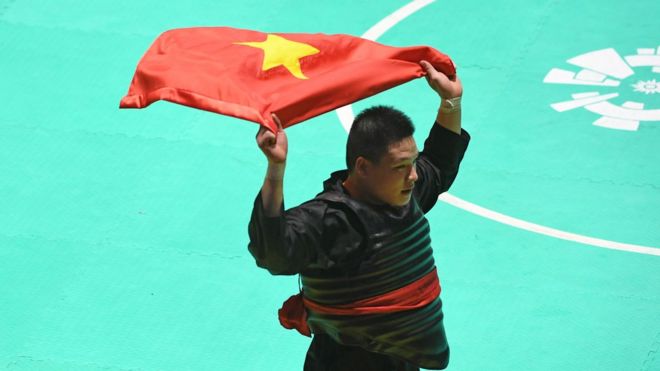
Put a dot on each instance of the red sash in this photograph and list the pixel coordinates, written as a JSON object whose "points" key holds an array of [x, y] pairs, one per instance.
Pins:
{"points": [[293, 314]]}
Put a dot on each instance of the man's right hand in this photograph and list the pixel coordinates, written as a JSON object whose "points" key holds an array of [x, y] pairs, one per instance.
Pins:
{"points": [[273, 145]]}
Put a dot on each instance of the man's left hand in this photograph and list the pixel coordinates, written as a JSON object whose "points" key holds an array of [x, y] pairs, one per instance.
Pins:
{"points": [[446, 86]]}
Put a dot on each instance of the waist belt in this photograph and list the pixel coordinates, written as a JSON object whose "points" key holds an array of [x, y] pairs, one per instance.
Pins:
{"points": [[293, 314]]}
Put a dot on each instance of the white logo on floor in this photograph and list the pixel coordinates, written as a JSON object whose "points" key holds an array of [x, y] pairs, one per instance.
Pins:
{"points": [[605, 68]]}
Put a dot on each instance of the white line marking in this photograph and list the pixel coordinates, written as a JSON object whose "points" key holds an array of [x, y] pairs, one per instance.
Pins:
{"points": [[400, 14], [505, 219], [346, 117]]}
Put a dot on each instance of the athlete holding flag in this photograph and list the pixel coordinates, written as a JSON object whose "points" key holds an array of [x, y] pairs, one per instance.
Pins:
{"points": [[362, 247]]}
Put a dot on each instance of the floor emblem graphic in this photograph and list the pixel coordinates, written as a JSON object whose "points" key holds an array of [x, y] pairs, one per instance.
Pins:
{"points": [[605, 69]]}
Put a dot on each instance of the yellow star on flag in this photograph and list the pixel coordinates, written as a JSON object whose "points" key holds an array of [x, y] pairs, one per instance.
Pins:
{"points": [[279, 51]]}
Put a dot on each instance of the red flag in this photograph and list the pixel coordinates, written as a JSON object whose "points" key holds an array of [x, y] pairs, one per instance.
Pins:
{"points": [[249, 74]]}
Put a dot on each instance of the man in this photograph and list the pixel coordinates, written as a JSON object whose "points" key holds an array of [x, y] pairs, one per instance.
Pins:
{"points": [[362, 246]]}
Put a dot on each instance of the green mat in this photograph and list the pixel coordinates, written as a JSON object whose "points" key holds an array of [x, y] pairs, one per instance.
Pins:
{"points": [[123, 233]]}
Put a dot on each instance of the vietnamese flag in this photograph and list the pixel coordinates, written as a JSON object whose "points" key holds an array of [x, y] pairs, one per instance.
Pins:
{"points": [[250, 74]]}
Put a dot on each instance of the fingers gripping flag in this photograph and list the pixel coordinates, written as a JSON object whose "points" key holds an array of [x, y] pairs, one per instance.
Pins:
{"points": [[249, 74]]}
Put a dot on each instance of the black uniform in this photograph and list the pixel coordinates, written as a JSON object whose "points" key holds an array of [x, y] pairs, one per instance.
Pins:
{"points": [[346, 250]]}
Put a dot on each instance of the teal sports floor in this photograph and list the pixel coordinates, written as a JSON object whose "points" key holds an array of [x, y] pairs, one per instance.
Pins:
{"points": [[123, 233]]}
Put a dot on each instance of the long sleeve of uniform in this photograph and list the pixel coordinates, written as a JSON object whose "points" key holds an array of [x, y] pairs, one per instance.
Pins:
{"points": [[309, 236], [437, 164]]}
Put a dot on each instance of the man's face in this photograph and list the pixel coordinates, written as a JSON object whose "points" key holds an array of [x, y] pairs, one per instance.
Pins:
{"points": [[392, 179]]}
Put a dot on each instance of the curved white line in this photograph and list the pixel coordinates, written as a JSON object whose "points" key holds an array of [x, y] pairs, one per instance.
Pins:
{"points": [[346, 117], [505, 219], [391, 20]]}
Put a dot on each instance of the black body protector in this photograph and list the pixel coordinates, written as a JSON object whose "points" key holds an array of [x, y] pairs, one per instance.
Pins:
{"points": [[396, 252]]}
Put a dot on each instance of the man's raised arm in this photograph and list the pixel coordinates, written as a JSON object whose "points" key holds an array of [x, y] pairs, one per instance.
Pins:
{"points": [[275, 147], [450, 90], [437, 165], [287, 242]]}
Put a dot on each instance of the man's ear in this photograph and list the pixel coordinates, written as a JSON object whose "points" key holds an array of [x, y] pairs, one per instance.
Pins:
{"points": [[362, 166]]}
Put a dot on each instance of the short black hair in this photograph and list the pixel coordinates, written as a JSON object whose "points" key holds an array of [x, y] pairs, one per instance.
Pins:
{"points": [[373, 131]]}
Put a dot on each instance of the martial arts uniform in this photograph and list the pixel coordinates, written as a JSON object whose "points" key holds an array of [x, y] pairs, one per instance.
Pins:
{"points": [[347, 251]]}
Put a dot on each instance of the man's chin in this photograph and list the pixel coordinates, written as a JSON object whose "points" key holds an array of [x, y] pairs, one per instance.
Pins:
{"points": [[403, 201]]}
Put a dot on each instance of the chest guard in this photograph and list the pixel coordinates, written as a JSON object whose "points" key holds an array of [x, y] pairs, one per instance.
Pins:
{"points": [[396, 251]]}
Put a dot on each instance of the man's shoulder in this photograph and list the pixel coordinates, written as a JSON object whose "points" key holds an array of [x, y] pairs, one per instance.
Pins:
{"points": [[332, 200], [327, 212], [333, 190]]}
